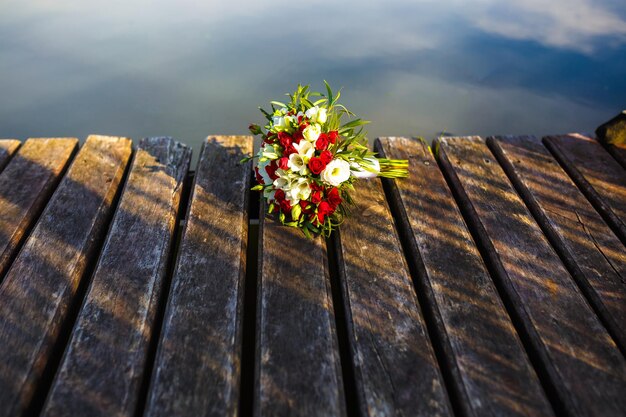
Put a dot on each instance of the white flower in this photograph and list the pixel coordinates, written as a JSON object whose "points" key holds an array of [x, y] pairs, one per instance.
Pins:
{"points": [[312, 132], [316, 115], [297, 164], [305, 149], [359, 171], [312, 112], [300, 190], [279, 122], [336, 172], [321, 116]]}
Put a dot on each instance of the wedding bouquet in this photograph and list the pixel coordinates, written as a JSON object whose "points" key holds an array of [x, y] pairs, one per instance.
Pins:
{"points": [[309, 161]]}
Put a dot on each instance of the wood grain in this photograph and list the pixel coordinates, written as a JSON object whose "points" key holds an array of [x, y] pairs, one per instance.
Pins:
{"points": [[197, 367], [7, 148], [592, 253], [298, 370], [581, 363], [41, 284], [600, 177], [395, 368], [25, 187], [474, 328], [103, 365]]}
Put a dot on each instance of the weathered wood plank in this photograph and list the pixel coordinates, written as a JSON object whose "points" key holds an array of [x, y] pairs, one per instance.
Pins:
{"points": [[103, 366], [593, 254], [618, 152], [40, 285], [600, 177], [582, 364], [25, 187], [396, 372], [297, 360], [7, 148], [197, 366], [476, 333]]}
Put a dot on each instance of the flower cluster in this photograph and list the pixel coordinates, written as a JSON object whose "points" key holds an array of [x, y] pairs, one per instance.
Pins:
{"points": [[308, 161]]}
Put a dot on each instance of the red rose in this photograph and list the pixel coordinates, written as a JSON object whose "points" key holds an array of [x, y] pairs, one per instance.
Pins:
{"points": [[322, 142], [315, 187], [306, 206], [285, 206], [334, 199], [279, 195], [284, 139], [283, 163], [332, 136], [297, 136], [326, 156], [316, 197], [271, 170], [288, 151], [324, 209], [316, 165]]}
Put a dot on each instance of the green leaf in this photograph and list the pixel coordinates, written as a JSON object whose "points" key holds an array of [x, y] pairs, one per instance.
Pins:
{"points": [[329, 91]]}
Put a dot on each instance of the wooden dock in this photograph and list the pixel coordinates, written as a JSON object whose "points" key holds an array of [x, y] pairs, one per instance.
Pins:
{"points": [[491, 282]]}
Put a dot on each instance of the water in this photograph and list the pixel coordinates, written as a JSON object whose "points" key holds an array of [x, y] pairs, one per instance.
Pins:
{"points": [[193, 68]]}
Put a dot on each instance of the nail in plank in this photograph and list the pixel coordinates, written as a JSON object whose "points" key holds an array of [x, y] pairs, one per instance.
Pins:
{"points": [[41, 284], [25, 187], [197, 366], [475, 330], [103, 366], [573, 349]]}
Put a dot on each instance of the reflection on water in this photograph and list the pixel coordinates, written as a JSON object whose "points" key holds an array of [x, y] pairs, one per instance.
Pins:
{"points": [[189, 68]]}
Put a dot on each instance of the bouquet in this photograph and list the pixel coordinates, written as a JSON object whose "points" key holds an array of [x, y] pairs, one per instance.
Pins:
{"points": [[309, 161]]}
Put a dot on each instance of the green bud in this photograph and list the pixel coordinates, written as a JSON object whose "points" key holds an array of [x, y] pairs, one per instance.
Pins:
{"points": [[296, 211]]}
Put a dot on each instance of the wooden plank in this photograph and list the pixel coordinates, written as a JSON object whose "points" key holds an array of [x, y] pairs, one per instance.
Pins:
{"points": [[396, 372], [297, 360], [578, 359], [197, 366], [7, 148], [41, 284], [476, 333], [600, 177], [592, 253], [25, 187], [618, 151], [103, 366]]}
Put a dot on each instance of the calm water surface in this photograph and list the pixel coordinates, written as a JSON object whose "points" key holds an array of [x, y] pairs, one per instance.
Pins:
{"points": [[191, 68]]}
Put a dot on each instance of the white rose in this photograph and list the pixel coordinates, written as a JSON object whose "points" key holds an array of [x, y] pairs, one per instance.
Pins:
{"points": [[336, 172], [312, 132], [359, 171]]}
